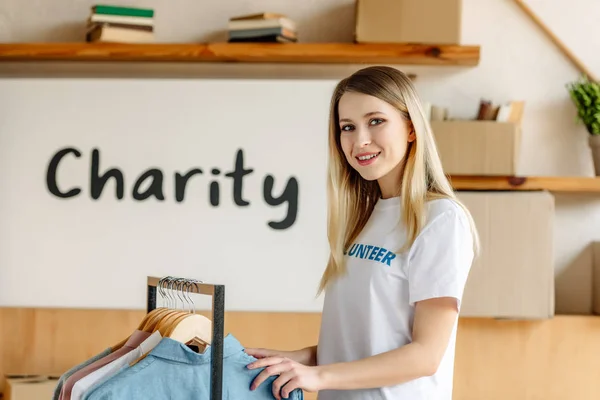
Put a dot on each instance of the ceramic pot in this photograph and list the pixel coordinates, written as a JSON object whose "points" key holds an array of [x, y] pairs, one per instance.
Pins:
{"points": [[594, 141]]}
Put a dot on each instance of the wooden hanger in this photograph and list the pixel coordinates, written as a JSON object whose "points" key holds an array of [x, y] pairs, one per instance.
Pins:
{"points": [[161, 321], [194, 329], [149, 321], [167, 319], [184, 327], [151, 316], [149, 324], [187, 327]]}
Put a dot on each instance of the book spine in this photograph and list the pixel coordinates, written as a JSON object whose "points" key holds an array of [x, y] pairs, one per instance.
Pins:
{"points": [[263, 39], [258, 24], [126, 11], [145, 28], [121, 19], [261, 32]]}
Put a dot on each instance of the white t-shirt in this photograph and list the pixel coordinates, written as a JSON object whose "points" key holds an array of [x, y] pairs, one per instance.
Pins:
{"points": [[370, 309]]}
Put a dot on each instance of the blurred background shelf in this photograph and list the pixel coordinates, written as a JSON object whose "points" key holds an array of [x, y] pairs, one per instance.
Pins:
{"points": [[304, 53], [554, 184]]}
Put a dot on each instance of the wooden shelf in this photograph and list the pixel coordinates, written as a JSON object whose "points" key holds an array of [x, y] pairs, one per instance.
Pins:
{"points": [[311, 53], [553, 184]]}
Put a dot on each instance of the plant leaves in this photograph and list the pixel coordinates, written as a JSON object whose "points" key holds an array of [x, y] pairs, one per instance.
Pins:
{"points": [[585, 95]]}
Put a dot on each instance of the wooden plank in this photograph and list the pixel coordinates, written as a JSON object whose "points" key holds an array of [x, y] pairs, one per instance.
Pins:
{"points": [[553, 359], [311, 53], [550, 183], [559, 43]]}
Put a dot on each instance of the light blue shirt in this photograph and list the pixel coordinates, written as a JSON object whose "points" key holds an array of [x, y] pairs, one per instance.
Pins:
{"points": [[174, 371]]}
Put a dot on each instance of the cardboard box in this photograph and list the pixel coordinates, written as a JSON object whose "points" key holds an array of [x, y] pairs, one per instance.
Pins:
{"points": [[596, 275], [574, 279], [513, 277], [435, 22], [478, 147], [29, 387]]}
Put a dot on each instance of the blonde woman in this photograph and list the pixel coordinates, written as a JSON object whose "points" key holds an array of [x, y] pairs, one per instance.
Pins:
{"points": [[401, 246]]}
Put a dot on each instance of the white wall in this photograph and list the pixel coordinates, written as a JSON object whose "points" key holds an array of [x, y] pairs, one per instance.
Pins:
{"points": [[95, 249], [518, 62]]}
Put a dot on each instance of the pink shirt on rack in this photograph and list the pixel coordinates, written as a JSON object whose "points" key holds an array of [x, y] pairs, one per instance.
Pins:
{"points": [[134, 341]]}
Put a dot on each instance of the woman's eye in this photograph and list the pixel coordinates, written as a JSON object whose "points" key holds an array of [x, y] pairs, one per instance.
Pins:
{"points": [[347, 128], [376, 121]]}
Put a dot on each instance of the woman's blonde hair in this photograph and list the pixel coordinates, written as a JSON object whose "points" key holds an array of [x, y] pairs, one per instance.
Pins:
{"points": [[351, 198]]}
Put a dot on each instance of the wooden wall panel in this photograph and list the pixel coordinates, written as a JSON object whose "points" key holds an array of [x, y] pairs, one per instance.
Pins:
{"points": [[554, 359], [50, 341]]}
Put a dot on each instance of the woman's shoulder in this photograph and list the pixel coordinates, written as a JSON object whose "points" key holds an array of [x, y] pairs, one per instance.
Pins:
{"points": [[447, 222], [444, 211], [445, 205]]}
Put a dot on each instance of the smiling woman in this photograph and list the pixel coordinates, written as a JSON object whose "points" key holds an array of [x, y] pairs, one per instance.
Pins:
{"points": [[401, 247]]}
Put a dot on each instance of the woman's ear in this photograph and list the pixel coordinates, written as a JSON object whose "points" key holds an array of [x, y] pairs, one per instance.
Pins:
{"points": [[411, 131]]}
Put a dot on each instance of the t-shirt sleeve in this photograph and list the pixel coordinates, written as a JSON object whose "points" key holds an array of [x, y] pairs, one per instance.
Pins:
{"points": [[440, 258]]}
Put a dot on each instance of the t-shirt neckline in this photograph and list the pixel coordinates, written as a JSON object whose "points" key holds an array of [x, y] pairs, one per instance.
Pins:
{"points": [[391, 202]]}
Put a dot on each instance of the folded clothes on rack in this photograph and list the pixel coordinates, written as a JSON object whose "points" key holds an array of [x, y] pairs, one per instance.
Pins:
{"points": [[170, 356]]}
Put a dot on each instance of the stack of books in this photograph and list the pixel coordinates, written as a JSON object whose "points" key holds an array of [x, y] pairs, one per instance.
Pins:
{"points": [[262, 27], [118, 24]]}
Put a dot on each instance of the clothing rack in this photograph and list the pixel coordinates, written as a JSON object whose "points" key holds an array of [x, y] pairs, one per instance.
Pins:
{"points": [[217, 292]]}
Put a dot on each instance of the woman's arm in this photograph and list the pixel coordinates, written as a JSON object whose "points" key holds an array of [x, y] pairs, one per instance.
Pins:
{"points": [[433, 325], [307, 355]]}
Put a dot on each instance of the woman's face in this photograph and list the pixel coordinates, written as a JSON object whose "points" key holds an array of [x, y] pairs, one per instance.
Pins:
{"points": [[374, 138]]}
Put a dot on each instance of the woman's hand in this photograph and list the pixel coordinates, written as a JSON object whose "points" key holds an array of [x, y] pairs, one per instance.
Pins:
{"points": [[292, 375], [306, 356], [263, 353]]}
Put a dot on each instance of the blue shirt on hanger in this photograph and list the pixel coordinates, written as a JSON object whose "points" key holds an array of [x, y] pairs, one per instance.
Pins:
{"points": [[174, 371]]}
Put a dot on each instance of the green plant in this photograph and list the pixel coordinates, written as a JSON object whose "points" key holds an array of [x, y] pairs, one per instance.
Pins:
{"points": [[586, 96]]}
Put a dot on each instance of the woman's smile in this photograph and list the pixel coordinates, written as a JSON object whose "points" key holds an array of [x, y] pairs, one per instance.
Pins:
{"points": [[367, 158]]}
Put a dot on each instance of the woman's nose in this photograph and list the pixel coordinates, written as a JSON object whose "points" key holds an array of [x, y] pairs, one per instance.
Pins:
{"points": [[363, 137]]}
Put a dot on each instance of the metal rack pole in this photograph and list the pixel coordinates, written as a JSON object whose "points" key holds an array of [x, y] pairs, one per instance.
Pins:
{"points": [[217, 292]]}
